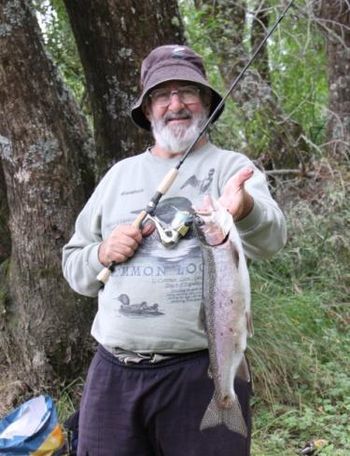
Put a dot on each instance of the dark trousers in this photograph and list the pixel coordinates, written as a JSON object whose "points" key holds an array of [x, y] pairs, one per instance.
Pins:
{"points": [[154, 409]]}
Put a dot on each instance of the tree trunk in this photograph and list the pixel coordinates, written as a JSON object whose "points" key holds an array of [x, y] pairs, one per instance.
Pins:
{"points": [[113, 37], [334, 21], [46, 162], [281, 137]]}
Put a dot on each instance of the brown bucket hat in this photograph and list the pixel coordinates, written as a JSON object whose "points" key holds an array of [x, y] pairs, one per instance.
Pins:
{"points": [[171, 63]]}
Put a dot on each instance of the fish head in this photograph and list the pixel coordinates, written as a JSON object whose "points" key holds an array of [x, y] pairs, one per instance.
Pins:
{"points": [[212, 222]]}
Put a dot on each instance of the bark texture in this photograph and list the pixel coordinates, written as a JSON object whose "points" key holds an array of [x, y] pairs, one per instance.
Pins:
{"points": [[45, 154], [113, 37], [333, 17], [254, 95]]}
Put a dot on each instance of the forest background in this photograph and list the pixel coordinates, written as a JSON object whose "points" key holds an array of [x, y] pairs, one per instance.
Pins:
{"points": [[68, 75]]}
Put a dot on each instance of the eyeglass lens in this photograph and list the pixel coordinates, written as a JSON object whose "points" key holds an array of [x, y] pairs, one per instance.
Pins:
{"points": [[187, 94]]}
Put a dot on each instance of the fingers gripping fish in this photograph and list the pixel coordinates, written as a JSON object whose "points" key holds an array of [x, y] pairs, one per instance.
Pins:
{"points": [[225, 313]]}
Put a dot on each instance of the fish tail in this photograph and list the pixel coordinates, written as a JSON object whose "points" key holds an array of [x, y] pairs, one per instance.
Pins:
{"points": [[231, 417]]}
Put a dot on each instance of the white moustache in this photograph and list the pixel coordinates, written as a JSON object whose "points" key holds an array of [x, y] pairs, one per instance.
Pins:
{"points": [[178, 115]]}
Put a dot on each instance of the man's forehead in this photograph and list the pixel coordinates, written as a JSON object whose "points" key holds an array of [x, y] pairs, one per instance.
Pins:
{"points": [[174, 84]]}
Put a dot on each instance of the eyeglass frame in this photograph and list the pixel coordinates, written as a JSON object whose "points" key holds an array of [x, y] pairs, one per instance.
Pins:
{"points": [[177, 92]]}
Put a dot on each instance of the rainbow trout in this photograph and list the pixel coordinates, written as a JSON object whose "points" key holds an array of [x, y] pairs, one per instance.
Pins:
{"points": [[225, 313]]}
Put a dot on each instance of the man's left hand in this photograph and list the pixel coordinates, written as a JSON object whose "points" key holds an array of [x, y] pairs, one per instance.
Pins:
{"points": [[235, 198]]}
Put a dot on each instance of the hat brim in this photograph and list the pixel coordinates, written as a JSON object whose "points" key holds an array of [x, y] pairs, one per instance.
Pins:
{"points": [[173, 72]]}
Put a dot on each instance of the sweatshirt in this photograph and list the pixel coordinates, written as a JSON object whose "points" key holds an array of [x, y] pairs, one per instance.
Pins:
{"points": [[151, 303]]}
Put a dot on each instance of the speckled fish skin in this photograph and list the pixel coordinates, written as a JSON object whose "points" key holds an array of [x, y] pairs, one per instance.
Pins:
{"points": [[227, 320]]}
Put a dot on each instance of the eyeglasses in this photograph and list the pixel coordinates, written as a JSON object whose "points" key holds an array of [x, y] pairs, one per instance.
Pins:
{"points": [[187, 94]]}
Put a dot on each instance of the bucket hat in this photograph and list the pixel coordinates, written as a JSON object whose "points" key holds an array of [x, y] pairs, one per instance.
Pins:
{"points": [[171, 63]]}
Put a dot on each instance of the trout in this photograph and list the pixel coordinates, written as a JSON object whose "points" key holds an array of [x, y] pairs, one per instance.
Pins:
{"points": [[225, 313]]}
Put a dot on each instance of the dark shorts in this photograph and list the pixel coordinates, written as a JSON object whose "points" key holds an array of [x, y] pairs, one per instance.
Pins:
{"points": [[154, 409]]}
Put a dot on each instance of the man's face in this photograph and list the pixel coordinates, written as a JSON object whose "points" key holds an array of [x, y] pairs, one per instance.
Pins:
{"points": [[177, 112]]}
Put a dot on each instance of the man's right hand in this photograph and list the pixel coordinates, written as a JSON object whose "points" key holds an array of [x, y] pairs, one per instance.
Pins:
{"points": [[122, 243]]}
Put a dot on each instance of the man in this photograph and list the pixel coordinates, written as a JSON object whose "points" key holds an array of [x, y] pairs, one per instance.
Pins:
{"points": [[148, 386]]}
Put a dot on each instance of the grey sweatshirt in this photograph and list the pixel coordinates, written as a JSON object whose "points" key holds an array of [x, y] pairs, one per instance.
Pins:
{"points": [[151, 302]]}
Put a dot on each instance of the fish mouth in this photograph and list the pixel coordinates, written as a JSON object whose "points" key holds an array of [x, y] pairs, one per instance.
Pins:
{"points": [[209, 233]]}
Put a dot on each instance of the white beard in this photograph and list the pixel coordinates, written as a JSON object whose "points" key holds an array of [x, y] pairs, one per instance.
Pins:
{"points": [[177, 138]]}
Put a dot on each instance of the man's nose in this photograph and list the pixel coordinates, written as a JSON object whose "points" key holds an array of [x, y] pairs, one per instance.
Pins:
{"points": [[175, 103]]}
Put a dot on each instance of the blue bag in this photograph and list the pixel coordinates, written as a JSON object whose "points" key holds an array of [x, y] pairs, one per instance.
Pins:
{"points": [[32, 429]]}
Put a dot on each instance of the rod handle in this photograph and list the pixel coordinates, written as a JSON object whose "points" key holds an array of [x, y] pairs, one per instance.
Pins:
{"points": [[167, 181], [139, 219], [104, 275]]}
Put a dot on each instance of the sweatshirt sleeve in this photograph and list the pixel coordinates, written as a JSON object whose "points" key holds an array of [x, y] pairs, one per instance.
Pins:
{"points": [[80, 256], [263, 231]]}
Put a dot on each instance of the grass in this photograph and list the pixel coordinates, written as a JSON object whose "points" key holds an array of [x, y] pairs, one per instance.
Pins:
{"points": [[301, 347], [68, 399]]}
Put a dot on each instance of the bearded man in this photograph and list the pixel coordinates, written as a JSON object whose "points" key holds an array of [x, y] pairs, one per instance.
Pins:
{"points": [[148, 385]]}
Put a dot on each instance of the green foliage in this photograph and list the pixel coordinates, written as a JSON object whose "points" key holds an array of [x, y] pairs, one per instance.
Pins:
{"points": [[223, 133], [298, 68], [287, 429], [61, 45], [301, 347], [297, 65]]}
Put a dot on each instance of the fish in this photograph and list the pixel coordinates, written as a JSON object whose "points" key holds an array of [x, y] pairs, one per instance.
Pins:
{"points": [[225, 313]]}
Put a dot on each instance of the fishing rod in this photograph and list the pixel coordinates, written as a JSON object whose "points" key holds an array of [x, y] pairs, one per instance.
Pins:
{"points": [[170, 177]]}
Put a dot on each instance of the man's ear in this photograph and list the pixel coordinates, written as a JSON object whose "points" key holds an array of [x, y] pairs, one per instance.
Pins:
{"points": [[147, 111]]}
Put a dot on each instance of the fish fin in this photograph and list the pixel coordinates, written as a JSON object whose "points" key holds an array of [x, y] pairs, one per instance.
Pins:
{"points": [[231, 417], [222, 216], [250, 327], [243, 370]]}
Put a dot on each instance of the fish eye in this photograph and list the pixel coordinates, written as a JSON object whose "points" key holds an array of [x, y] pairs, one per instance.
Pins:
{"points": [[198, 220]]}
